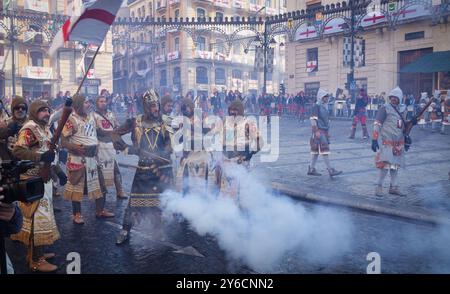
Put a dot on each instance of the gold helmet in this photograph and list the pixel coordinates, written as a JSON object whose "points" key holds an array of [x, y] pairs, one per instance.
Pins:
{"points": [[150, 97]]}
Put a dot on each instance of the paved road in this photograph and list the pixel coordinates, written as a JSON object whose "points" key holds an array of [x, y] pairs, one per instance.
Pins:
{"points": [[404, 247]]}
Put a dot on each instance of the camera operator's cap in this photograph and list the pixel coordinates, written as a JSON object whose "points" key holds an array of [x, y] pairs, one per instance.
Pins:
{"points": [[396, 92], [423, 95], [17, 100], [321, 93]]}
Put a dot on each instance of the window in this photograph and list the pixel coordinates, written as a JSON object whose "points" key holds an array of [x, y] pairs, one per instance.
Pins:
{"points": [[268, 3], [177, 76], [163, 78], [236, 74], [254, 76], [237, 48], [201, 12], [87, 61], [313, 5], [132, 14], [150, 8], [311, 90], [177, 44], [37, 58], [219, 46], [201, 43], [312, 59], [142, 65], [139, 12], [177, 13], [141, 37], [219, 16], [38, 39], [414, 36], [220, 76], [253, 1], [163, 48], [201, 75], [143, 11]]}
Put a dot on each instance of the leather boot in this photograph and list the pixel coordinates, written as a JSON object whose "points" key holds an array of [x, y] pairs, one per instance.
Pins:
{"points": [[121, 195], [43, 266], [365, 133], [334, 172], [379, 191], [104, 214], [123, 236], [394, 190], [78, 219], [313, 172], [352, 134]]}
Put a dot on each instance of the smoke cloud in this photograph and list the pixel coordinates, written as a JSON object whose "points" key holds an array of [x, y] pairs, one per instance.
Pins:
{"points": [[261, 228]]}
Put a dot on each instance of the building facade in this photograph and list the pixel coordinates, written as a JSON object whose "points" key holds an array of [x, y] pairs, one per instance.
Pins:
{"points": [[36, 73], [172, 62], [381, 49]]}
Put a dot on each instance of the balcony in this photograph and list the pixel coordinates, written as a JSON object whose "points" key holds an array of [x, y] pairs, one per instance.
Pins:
{"points": [[37, 72], [174, 2], [239, 4], [173, 55], [160, 59], [162, 4], [200, 54]]}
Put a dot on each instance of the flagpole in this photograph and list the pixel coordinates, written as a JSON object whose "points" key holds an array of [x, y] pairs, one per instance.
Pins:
{"points": [[87, 71]]}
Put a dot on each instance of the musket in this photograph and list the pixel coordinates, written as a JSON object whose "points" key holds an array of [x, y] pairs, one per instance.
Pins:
{"points": [[67, 110], [409, 125]]}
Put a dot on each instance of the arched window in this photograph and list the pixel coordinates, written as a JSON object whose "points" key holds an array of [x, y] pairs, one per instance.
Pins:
{"points": [[139, 13], [163, 48], [219, 15], [220, 48], [177, 44], [38, 39], [142, 65], [177, 76], [202, 75], [37, 58], [177, 13], [143, 11], [163, 78], [237, 48], [201, 12], [132, 14], [150, 8], [201, 43], [236, 74], [220, 76]]}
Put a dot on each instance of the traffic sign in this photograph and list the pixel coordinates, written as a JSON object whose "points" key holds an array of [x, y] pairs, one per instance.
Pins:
{"points": [[392, 6]]}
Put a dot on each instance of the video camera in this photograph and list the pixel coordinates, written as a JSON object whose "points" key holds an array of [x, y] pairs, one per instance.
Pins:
{"points": [[15, 189]]}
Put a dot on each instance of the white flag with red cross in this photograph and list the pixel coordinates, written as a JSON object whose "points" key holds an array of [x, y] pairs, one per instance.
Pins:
{"points": [[90, 26]]}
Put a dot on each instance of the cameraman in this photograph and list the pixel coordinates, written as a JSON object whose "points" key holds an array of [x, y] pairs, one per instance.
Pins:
{"points": [[11, 127], [10, 223]]}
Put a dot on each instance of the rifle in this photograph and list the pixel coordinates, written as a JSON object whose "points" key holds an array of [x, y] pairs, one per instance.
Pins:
{"points": [[2, 107], [410, 124], [67, 110], [154, 156]]}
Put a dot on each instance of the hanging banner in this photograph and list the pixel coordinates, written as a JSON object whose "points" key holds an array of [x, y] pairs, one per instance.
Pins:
{"points": [[37, 5], [37, 72]]}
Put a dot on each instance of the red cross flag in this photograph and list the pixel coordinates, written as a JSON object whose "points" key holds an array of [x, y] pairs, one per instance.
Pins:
{"points": [[90, 26]]}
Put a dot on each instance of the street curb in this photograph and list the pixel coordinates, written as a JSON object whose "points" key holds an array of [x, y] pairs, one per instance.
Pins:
{"points": [[367, 207]]}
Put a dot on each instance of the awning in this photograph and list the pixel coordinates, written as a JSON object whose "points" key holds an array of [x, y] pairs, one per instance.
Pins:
{"points": [[433, 62]]}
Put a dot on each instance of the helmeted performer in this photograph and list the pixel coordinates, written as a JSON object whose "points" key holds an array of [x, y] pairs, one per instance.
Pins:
{"points": [[422, 120], [79, 137], [388, 129], [196, 173], [39, 227], [106, 122], [9, 133], [320, 138], [241, 141], [360, 115], [152, 143]]}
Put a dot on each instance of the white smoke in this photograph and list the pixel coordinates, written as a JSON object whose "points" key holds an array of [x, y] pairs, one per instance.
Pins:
{"points": [[263, 228]]}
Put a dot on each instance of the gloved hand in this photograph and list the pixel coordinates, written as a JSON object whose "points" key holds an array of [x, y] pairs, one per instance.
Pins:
{"points": [[13, 128], [375, 145], [48, 156], [62, 178]]}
